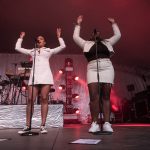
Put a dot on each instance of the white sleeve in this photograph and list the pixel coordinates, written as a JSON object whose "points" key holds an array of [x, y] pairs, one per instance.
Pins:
{"points": [[116, 36], [76, 37], [59, 48], [20, 49]]}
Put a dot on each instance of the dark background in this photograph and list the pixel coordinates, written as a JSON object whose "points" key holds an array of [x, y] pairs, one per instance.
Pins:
{"points": [[42, 17]]}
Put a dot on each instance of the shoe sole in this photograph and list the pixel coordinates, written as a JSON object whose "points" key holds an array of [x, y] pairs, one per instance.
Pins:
{"points": [[43, 132], [108, 131], [24, 132], [94, 132]]}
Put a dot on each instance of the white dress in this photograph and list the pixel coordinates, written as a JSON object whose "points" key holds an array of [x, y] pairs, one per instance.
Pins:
{"points": [[43, 74], [105, 67]]}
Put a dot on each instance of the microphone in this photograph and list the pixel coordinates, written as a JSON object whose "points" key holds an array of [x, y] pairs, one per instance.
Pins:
{"points": [[36, 40]]}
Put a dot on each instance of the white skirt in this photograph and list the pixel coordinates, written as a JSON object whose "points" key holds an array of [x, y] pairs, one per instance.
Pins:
{"points": [[105, 68], [43, 75]]}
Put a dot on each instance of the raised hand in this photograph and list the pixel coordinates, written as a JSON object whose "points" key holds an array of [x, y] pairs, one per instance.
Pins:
{"points": [[111, 20], [58, 32], [79, 19], [22, 34]]}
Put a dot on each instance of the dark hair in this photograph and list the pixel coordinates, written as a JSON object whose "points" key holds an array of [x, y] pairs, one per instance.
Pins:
{"points": [[43, 38], [95, 36]]}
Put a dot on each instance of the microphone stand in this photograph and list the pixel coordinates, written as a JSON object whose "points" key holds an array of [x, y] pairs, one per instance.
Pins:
{"points": [[30, 133], [15, 82], [101, 132]]}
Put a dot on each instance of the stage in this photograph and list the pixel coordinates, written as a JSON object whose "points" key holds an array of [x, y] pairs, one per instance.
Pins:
{"points": [[125, 137]]}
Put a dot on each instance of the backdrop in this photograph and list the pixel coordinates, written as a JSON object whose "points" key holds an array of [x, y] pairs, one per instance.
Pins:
{"points": [[124, 76]]}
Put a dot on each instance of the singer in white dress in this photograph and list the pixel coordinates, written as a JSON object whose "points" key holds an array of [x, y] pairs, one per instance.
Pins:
{"points": [[43, 78]]}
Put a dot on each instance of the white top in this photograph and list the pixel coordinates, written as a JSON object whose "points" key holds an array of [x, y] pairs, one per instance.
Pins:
{"points": [[43, 74], [86, 45]]}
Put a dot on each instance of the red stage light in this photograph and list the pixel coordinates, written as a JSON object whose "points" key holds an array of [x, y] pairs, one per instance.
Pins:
{"points": [[61, 71], [76, 78], [115, 108], [77, 111], [61, 87], [76, 96], [24, 88]]}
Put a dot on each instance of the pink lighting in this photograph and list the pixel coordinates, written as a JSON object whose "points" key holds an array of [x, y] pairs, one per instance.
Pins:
{"points": [[61, 87], [24, 88], [61, 71], [115, 108], [77, 112], [76, 78]]}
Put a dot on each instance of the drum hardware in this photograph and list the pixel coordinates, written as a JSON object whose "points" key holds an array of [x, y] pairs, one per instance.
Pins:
{"points": [[23, 74], [11, 89], [26, 64], [4, 92], [4, 82], [15, 83], [4, 89]]}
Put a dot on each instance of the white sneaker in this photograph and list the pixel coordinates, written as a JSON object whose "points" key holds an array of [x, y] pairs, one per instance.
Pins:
{"points": [[94, 127], [43, 130], [25, 130], [107, 127]]}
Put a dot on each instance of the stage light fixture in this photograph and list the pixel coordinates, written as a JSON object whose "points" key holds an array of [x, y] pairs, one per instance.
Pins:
{"points": [[77, 111], [76, 96], [61, 71], [69, 62], [76, 78], [62, 87], [24, 88]]}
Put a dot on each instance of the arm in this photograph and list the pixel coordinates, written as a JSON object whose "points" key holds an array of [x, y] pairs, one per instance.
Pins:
{"points": [[76, 35], [117, 34], [61, 42], [18, 45]]}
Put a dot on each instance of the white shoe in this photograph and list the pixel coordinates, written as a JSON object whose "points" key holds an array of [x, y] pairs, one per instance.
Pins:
{"points": [[107, 127], [94, 127], [43, 130], [25, 130]]}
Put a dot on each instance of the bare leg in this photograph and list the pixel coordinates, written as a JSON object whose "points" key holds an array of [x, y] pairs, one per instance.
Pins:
{"points": [[106, 90], [94, 101], [30, 99], [44, 103]]}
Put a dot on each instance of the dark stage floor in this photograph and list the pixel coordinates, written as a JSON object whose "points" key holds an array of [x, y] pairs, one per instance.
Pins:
{"points": [[125, 137]]}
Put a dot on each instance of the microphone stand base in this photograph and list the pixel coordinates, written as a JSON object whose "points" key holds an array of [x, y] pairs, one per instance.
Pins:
{"points": [[29, 134], [102, 133]]}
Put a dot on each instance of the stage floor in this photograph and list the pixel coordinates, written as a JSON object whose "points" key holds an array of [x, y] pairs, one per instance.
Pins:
{"points": [[125, 137]]}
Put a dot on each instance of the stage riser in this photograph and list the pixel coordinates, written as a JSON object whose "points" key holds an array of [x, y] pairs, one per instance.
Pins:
{"points": [[14, 116]]}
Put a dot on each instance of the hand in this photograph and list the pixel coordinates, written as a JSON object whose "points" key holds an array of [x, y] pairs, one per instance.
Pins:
{"points": [[111, 20], [22, 34], [58, 32], [79, 19]]}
